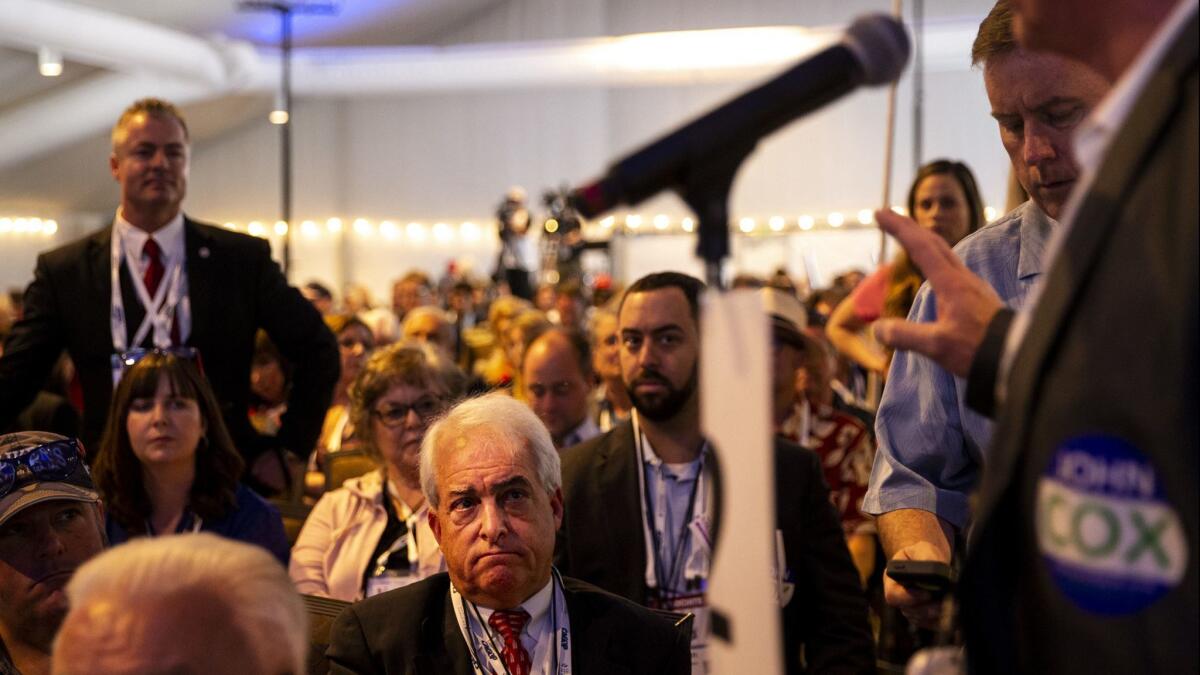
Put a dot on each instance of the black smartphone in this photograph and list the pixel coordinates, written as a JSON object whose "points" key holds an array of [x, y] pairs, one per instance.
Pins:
{"points": [[926, 575]]}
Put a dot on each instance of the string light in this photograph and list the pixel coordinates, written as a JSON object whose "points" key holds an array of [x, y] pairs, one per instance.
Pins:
{"points": [[990, 213], [416, 232], [471, 232]]}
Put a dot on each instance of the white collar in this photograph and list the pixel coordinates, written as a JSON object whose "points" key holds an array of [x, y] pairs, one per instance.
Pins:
{"points": [[169, 237], [585, 431], [537, 606]]}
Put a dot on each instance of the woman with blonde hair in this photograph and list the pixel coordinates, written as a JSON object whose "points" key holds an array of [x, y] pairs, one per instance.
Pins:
{"points": [[372, 534]]}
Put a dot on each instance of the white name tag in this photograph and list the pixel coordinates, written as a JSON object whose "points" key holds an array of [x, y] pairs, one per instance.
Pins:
{"points": [[383, 584]]}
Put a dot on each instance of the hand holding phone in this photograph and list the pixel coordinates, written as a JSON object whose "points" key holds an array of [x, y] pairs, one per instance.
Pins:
{"points": [[931, 576]]}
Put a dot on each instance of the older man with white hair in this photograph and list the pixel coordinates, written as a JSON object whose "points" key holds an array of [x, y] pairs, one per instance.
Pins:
{"points": [[493, 481], [188, 604]]}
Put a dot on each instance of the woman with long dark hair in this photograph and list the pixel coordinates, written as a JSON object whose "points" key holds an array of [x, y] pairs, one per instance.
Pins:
{"points": [[167, 464], [943, 198]]}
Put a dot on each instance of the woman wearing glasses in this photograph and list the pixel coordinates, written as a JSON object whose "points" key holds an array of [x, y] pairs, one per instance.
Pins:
{"points": [[371, 534], [167, 464]]}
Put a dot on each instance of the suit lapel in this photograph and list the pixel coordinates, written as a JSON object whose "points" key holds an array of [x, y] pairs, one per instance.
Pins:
{"points": [[200, 279], [1094, 222], [443, 648], [617, 476]]}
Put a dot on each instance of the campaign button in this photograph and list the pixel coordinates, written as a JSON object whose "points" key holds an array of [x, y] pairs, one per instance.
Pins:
{"points": [[1106, 530]]}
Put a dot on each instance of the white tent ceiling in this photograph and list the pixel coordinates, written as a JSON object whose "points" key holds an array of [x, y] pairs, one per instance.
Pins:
{"points": [[221, 64]]}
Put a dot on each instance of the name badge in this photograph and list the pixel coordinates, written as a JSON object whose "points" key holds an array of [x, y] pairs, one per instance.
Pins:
{"points": [[388, 582]]}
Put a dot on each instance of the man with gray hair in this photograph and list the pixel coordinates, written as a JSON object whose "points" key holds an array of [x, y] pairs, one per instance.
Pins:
{"points": [[51, 522], [493, 481], [192, 603]]}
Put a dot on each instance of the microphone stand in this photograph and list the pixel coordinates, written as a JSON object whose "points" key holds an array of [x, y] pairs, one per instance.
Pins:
{"points": [[705, 189]]}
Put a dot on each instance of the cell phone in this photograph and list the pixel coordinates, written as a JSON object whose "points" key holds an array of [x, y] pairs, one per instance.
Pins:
{"points": [[926, 575]]}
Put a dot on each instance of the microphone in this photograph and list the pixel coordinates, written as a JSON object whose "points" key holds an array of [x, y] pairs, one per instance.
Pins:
{"points": [[873, 51]]}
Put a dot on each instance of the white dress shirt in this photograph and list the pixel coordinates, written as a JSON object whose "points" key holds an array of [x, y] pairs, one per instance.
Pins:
{"points": [[170, 239]]}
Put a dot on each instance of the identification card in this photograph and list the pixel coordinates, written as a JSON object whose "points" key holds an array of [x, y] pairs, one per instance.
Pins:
{"points": [[389, 582]]}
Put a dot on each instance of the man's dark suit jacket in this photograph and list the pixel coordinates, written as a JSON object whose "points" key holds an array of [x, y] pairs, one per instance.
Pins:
{"points": [[1111, 351], [234, 288], [413, 631], [601, 542]]}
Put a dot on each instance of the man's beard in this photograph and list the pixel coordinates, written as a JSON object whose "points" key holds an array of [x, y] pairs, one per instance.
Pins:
{"points": [[662, 407]]}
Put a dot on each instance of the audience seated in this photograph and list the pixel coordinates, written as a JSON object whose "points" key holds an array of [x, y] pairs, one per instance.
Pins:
{"points": [[371, 534], [355, 343], [492, 480], [51, 522], [167, 465], [195, 604]]}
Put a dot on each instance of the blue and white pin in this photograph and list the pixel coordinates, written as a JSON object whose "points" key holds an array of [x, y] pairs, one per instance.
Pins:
{"points": [[1111, 539]]}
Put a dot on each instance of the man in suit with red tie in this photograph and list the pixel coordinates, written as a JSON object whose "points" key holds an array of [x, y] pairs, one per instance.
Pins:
{"points": [[492, 477], [1084, 554], [157, 279]]}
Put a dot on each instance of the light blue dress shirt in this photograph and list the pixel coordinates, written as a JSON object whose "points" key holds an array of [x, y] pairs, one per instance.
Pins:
{"points": [[931, 446]]}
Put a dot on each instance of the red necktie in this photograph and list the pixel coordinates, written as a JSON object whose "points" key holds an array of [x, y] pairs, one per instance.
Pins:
{"points": [[154, 266], [508, 623], [153, 277]]}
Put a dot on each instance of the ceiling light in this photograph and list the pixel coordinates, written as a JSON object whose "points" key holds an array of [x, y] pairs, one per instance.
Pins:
{"points": [[50, 62]]}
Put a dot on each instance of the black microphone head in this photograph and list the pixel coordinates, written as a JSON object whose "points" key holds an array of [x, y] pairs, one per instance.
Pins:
{"points": [[880, 44]]}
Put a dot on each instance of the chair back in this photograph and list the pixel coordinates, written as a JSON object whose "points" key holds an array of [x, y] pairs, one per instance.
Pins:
{"points": [[346, 464], [321, 613]]}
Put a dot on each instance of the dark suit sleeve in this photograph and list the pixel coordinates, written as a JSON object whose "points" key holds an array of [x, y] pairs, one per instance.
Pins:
{"points": [[348, 651], [829, 597], [295, 326], [985, 367], [32, 348]]}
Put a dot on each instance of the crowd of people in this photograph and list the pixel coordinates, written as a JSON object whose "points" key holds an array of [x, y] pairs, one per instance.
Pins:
{"points": [[501, 476]]}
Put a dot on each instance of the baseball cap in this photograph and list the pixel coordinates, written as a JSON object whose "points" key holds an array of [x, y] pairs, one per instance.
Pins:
{"points": [[36, 467], [788, 316]]}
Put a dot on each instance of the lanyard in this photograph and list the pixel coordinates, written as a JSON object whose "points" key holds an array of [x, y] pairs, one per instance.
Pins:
{"points": [[160, 310], [654, 524], [553, 651]]}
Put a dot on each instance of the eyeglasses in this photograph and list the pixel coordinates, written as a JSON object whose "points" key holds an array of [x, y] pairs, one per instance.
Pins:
{"points": [[57, 461], [395, 414]]}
